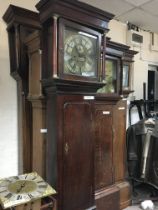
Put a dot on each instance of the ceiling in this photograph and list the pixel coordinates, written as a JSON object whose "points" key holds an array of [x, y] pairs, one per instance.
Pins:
{"points": [[142, 13]]}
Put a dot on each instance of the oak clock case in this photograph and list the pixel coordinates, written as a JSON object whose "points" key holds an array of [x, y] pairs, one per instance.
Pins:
{"points": [[17, 190], [79, 51]]}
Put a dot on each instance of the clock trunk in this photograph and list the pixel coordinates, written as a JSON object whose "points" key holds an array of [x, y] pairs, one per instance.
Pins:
{"points": [[70, 117]]}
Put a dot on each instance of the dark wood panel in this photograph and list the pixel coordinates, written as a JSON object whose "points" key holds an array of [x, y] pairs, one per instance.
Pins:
{"points": [[25, 116], [125, 194], [78, 156], [76, 11], [119, 139], [103, 145], [70, 155], [20, 23], [108, 199]]}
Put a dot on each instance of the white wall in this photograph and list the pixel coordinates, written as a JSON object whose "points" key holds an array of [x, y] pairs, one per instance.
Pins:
{"points": [[119, 33], [8, 96], [145, 57]]}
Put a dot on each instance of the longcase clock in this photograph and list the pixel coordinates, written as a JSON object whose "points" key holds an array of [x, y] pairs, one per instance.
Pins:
{"points": [[72, 72]]}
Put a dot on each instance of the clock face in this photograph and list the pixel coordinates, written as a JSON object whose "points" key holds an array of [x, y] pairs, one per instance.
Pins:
{"points": [[80, 55], [24, 188], [80, 52]]}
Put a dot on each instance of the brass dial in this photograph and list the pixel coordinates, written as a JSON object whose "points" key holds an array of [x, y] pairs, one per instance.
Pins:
{"points": [[80, 54], [24, 188]]}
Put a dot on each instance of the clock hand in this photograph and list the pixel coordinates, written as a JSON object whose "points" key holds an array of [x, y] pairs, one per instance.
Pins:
{"points": [[76, 51], [21, 187], [26, 176]]}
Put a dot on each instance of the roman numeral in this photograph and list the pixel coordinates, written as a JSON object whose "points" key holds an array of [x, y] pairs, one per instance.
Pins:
{"points": [[16, 177], [7, 180], [42, 186], [3, 191], [40, 192], [69, 45], [8, 196], [34, 178], [19, 197], [40, 181], [30, 196], [26, 176]]}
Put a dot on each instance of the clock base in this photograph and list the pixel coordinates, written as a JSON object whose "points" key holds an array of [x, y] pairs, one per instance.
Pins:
{"points": [[44, 204], [125, 194], [107, 198], [31, 205]]}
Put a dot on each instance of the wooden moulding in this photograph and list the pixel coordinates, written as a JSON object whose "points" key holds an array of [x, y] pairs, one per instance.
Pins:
{"points": [[20, 23], [34, 53], [22, 16], [107, 199], [120, 50], [125, 194], [78, 87], [76, 11]]}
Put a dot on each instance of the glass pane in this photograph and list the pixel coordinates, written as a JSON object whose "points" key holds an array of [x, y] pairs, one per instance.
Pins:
{"points": [[125, 80], [110, 77]]}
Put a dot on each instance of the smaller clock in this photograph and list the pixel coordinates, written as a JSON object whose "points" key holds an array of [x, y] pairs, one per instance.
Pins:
{"points": [[17, 190], [79, 51]]}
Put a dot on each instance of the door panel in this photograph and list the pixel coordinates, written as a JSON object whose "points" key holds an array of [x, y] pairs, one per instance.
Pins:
{"points": [[119, 140], [103, 145], [77, 156]]}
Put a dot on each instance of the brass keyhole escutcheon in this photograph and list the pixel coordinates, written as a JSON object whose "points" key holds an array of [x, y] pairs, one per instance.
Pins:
{"points": [[66, 148]]}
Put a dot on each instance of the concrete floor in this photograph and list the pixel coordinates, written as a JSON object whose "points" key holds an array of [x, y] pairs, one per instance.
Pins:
{"points": [[137, 207], [142, 192], [132, 208]]}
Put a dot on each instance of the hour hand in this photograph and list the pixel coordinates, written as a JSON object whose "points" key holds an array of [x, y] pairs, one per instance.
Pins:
{"points": [[21, 187], [76, 51]]}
